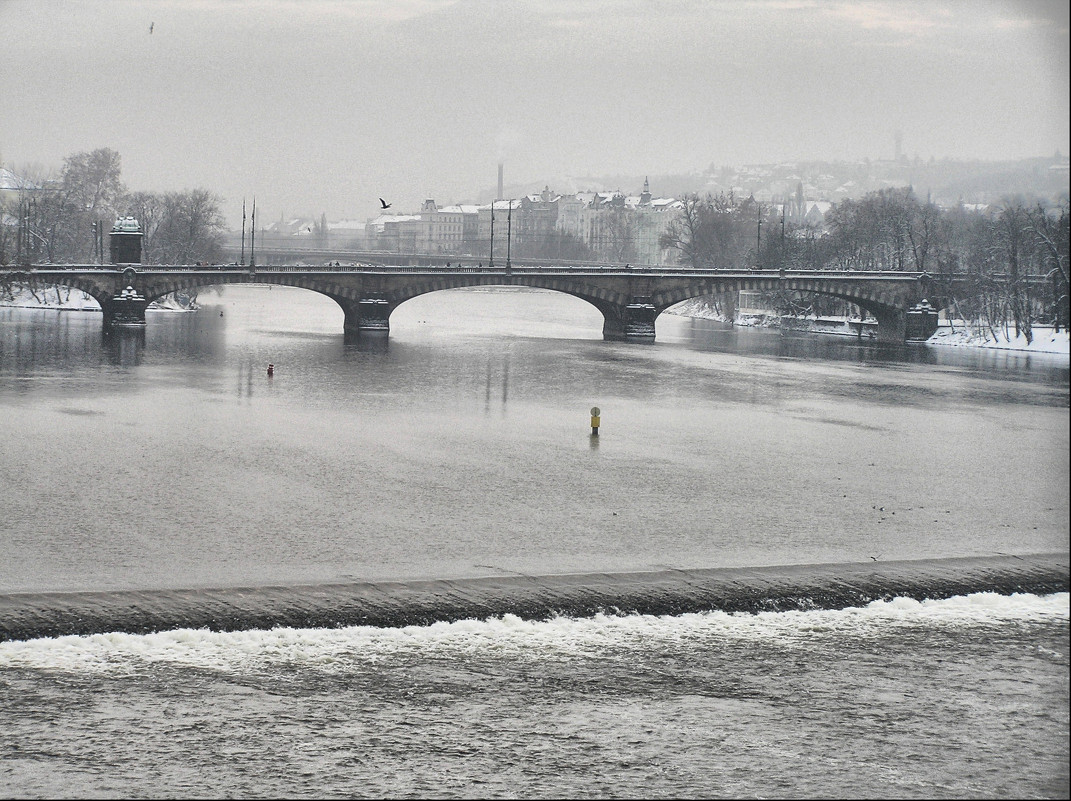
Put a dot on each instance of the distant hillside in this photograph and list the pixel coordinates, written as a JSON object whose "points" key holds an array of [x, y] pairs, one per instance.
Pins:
{"points": [[946, 181]]}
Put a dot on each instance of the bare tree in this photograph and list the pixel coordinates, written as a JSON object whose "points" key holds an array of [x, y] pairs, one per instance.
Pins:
{"points": [[1013, 242], [1052, 233], [619, 228], [190, 228], [685, 233], [148, 209], [90, 192], [715, 231]]}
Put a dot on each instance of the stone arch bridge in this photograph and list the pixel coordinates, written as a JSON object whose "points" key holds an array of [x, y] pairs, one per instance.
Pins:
{"points": [[630, 299]]}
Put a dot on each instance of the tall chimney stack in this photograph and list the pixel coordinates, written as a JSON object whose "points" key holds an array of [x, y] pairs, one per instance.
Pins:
{"points": [[499, 195]]}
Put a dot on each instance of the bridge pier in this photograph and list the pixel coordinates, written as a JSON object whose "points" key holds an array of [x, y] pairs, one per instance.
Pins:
{"points": [[367, 316], [634, 322], [125, 309], [892, 324]]}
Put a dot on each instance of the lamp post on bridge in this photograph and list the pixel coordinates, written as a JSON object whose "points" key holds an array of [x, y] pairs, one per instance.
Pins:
{"points": [[253, 236], [758, 241], [491, 259], [781, 272], [509, 229]]}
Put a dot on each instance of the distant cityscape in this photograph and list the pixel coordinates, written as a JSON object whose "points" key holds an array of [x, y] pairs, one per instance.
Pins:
{"points": [[623, 218]]}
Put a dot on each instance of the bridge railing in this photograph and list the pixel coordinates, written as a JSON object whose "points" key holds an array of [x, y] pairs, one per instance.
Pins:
{"points": [[483, 269]]}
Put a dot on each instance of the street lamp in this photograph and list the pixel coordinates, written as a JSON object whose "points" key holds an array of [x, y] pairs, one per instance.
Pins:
{"points": [[758, 241], [509, 228]]}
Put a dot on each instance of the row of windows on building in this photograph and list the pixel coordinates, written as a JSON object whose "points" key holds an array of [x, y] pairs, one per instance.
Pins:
{"points": [[612, 225]]}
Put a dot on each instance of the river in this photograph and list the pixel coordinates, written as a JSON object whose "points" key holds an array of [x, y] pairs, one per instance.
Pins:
{"points": [[165, 460]]}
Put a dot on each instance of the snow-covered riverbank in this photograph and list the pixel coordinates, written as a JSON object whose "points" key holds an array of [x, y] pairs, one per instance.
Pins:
{"points": [[67, 299], [949, 333], [954, 333]]}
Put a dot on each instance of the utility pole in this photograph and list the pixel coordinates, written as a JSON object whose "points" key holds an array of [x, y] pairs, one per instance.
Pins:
{"points": [[781, 272], [242, 262], [19, 237], [253, 236], [509, 227], [491, 260], [758, 242]]}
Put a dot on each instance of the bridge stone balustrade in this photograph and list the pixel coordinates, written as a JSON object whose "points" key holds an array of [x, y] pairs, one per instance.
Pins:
{"points": [[630, 300]]}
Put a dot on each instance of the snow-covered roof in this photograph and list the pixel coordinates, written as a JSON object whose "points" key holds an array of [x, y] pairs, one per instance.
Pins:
{"points": [[353, 225], [127, 225], [9, 181], [663, 203]]}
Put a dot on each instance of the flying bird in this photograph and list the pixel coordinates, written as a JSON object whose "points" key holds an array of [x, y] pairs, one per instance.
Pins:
{"points": [[384, 203]]}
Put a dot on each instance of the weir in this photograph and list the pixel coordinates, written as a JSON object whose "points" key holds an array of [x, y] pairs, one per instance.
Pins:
{"points": [[403, 603]]}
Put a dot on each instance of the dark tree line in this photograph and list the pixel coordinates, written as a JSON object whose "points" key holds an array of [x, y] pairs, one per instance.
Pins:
{"points": [[59, 219], [1014, 256]]}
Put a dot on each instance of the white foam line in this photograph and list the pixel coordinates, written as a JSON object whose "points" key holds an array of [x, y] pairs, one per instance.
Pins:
{"points": [[512, 637]]}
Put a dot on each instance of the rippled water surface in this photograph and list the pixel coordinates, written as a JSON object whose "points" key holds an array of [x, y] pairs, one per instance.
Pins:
{"points": [[949, 699], [460, 446]]}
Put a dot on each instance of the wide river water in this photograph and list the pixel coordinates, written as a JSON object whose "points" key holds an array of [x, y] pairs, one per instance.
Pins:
{"points": [[460, 447]]}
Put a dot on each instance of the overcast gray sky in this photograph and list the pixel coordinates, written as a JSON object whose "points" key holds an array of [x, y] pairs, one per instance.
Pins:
{"points": [[318, 106]]}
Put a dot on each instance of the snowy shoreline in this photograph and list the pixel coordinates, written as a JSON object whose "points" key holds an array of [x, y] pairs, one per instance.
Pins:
{"points": [[66, 299], [949, 333]]}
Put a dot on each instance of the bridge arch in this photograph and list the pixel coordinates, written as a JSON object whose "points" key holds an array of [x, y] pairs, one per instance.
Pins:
{"points": [[885, 302], [372, 312], [101, 294]]}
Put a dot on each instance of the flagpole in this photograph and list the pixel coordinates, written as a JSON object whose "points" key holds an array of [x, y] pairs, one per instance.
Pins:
{"points": [[491, 261], [253, 236]]}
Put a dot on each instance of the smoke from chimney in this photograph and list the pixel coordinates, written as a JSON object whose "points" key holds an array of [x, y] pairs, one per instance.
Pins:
{"points": [[499, 195]]}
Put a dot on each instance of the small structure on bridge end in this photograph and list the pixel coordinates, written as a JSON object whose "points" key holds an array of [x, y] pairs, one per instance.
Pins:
{"points": [[125, 241], [921, 321]]}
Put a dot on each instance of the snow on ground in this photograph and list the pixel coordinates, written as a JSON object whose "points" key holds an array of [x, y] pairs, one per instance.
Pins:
{"points": [[955, 333], [950, 333], [67, 299]]}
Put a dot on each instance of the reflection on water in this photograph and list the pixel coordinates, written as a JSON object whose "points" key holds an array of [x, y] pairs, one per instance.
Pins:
{"points": [[166, 456], [124, 345]]}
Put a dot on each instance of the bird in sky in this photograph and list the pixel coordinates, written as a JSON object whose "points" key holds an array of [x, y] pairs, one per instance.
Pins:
{"points": [[384, 203]]}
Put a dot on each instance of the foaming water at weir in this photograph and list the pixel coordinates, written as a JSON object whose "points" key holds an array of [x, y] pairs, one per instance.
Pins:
{"points": [[342, 649], [26, 616]]}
